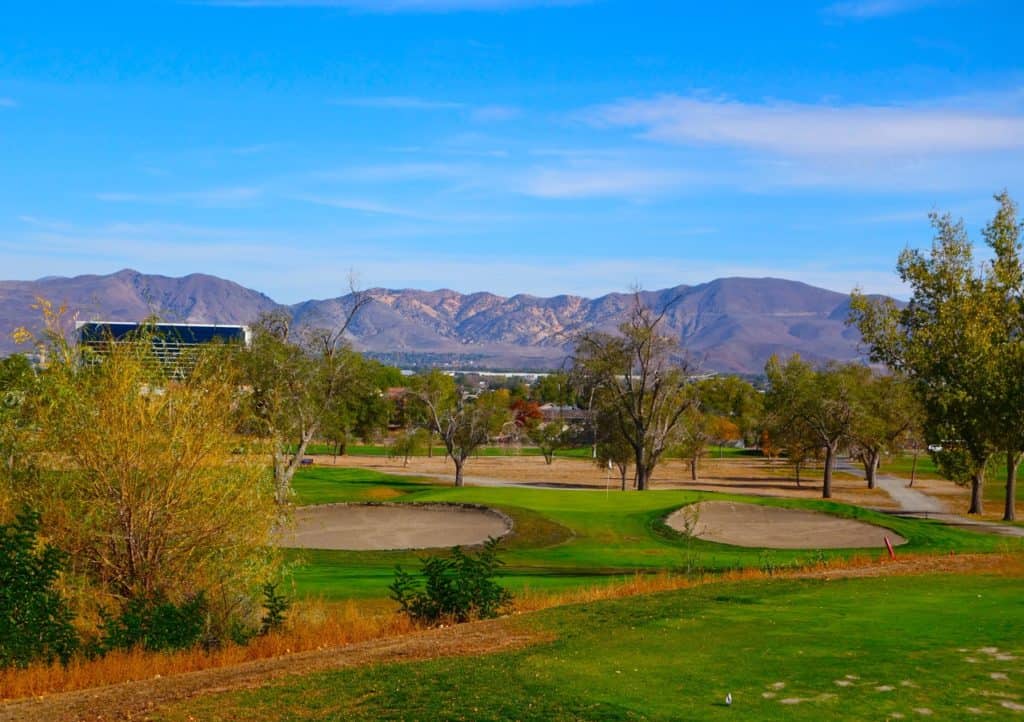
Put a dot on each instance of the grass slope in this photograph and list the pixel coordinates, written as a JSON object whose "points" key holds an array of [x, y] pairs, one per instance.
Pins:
{"points": [[948, 647], [568, 538]]}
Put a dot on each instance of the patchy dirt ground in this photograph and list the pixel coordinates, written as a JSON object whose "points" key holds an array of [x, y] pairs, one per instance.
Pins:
{"points": [[752, 525], [758, 477]]}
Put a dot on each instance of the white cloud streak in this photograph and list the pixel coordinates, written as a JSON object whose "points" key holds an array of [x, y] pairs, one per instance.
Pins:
{"points": [[815, 130], [870, 9], [216, 197]]}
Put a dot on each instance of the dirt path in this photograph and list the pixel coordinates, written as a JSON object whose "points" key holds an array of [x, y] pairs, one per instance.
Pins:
{"points": [[136, 700], [917, 504]]}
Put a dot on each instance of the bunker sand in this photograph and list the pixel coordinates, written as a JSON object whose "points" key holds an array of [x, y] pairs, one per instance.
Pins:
{"points": [[393, 526], [754, 525]]}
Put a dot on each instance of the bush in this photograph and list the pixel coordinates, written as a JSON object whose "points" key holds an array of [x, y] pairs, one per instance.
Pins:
{"points": [[457, 588], [276, 605], [35, 622], [155, 624]]}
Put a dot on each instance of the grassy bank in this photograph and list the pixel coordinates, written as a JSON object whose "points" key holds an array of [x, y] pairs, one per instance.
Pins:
{"points": [[945, 647]]}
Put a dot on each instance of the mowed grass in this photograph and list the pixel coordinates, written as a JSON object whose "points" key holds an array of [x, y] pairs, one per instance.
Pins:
{"points": [[565, 539], [939, 647]]}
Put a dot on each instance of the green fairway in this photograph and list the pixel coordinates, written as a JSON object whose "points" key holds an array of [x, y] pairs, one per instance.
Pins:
{"points": [[569, 538], [942, 647]]}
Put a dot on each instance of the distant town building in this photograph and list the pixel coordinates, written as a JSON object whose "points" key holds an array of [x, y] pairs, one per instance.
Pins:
{"points": [[169, 340]]}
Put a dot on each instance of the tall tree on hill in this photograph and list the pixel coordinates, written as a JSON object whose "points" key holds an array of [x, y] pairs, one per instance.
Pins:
{"points": [[946, 341], [821, 402], [640, 378]]}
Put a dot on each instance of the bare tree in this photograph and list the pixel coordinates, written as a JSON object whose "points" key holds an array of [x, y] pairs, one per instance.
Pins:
{"points": [[295, 378], [640, 377]]}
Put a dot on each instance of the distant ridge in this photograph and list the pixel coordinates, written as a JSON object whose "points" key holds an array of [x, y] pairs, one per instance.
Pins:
{"points": [[729, 324]]}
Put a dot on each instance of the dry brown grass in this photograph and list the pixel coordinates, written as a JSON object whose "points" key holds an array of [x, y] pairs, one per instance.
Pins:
{"points": [[311, 626], [755, 476]]}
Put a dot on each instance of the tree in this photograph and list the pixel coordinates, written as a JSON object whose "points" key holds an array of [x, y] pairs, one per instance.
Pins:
{"points": [[885, 414], [946, 342], [694, 434], [732, 398], [297, 381], [1006, 286], [139, 479], [821, 402], [408, 442], [640, 379], [549, 437], [611, 447], [463, 423], [18, 390], [35, 621]]}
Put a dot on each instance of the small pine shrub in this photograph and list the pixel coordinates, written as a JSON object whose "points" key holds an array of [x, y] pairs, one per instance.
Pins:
{"points": [[456, 588], [276, 605], [35, 622], [155, 624]]}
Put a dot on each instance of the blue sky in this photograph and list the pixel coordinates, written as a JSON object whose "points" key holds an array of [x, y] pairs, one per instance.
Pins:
{"points": [[502, 145]]}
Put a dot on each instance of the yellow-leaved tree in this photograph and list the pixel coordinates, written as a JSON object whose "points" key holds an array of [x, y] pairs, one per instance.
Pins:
{"points": [[143, 479]]}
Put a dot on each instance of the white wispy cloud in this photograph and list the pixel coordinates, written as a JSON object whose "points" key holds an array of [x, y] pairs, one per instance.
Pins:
{"points": [[398, 102], [398, 6], [600, 182], [868, 9], [229, 196], [806, 129], [495, 113], [8, 103]]}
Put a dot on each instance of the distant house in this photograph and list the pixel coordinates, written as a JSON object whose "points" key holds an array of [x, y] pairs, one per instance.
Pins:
{"points": [[556, 412]]}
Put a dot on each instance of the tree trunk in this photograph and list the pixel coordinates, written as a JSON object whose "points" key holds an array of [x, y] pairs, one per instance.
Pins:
{"points": [[871, 467], [641, 479], [796, 468], [1012, 461], [458, 470], [693, 469], [622, 474], [977, 481], [913, 468], [826, 486]]}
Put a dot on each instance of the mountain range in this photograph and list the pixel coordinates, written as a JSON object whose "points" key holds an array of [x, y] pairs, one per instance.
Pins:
{"points": [[726, 325]]}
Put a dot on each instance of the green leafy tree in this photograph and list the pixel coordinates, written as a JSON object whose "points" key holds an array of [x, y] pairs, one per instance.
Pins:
{"points": [[946, 341], [818, 403], [35, 620], [885, 416], [549, 437]]}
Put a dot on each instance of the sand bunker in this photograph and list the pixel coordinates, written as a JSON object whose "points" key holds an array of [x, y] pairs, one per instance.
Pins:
{"points": [[393, 526], [754, 525]]}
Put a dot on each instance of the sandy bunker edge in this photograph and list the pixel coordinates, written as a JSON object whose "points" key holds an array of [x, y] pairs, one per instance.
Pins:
{"points": [[774, 527], [384, 526]]}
